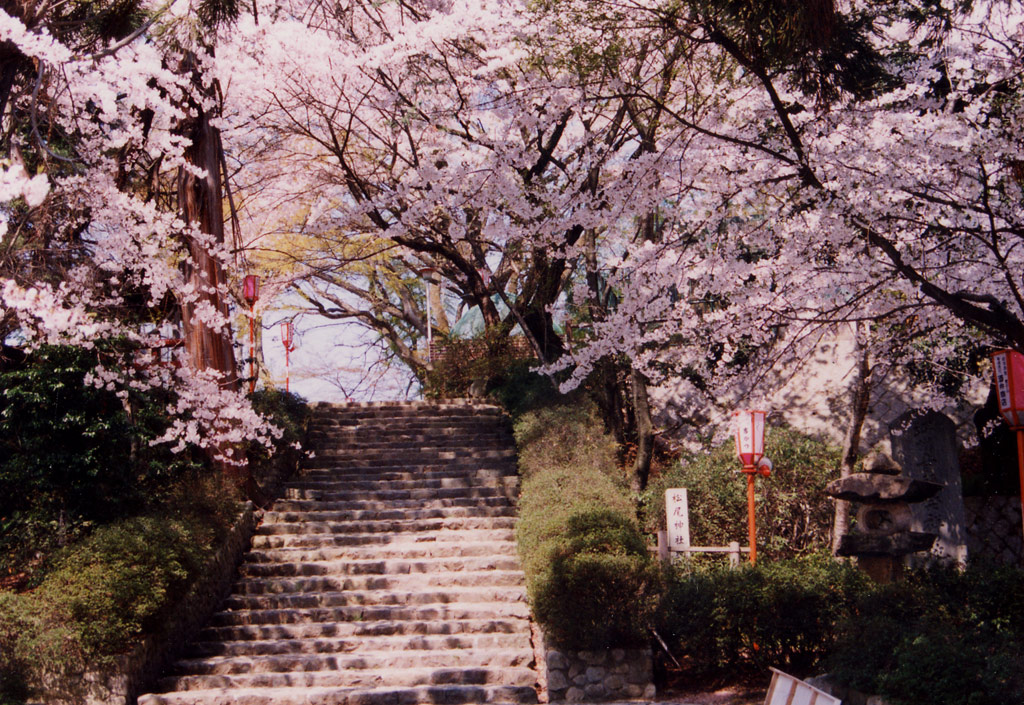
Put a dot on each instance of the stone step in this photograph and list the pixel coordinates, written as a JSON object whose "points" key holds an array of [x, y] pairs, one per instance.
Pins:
{"points": [[389, 526], [281, 645], [414, 618], [338, 505], [324, 491], [413, 456], [400, 513], [397, 435], [380, 567], [354, 678], [450, 425], [418, 409], [404, 550], [434, 622], [389, 583], [356, 437], [442, 536], [387, 575], [439, 472], [416, 659], [358, 484], [403, 514], [260, 597], [430, 412], [449, 694], [393, 463]]}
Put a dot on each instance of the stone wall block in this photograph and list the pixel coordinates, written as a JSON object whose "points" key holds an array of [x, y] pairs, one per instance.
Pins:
{"points": [[596, 675]]}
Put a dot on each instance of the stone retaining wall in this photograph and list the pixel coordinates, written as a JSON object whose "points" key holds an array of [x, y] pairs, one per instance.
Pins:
{"points": [[994, 529], [592, 676]]}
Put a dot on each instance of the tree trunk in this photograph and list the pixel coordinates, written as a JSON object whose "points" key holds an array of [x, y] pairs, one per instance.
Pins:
{"points": [[644, 432], [201, 205], [860, 398]]}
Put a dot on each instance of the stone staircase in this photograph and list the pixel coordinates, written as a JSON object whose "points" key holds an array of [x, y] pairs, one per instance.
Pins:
{"points": [[386, 575]]}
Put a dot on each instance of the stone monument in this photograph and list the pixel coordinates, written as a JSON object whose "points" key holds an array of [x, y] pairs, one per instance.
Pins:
{"points": [[925, 446]]}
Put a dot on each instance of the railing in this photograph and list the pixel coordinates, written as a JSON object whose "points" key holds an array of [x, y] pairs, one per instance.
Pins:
{"points": [[733, 550]]}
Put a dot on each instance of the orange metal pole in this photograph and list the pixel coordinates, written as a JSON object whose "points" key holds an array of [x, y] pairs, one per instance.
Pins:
{"points": [[287, 372], [252, 355], [1020, 469], [751, 526]]}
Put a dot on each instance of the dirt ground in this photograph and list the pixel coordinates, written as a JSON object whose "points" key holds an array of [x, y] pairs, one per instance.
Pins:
{"points": [[733, 695]]}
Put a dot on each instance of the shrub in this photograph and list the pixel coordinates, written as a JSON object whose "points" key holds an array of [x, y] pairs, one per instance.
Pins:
{"points": [[465, 362], [939, 636], [783, 614], [72, 455], [101, 594], [591, 581], [793, 514], [519, 388], [290, 413]]}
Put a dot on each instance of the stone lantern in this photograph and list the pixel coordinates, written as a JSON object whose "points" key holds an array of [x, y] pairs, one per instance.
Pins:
{"points": [[883, 535]]}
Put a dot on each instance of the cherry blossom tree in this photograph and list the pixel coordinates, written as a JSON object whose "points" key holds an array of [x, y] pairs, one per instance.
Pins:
{"points": [[98, 126]]}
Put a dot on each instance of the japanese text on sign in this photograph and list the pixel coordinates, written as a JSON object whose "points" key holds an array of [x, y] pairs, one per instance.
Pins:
{"points": [[677, 514]]}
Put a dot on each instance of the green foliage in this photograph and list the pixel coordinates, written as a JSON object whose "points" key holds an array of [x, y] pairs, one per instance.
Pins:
{"points": [[793, 514], [591, 581], [940, 636], [736, 621], [72, 455], [290, 413], [99, 595], [519, 388], [469, 367]]}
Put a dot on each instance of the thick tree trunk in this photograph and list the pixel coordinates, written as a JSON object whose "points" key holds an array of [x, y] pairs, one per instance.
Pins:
{"points": [[860, 400], [201, 206]]}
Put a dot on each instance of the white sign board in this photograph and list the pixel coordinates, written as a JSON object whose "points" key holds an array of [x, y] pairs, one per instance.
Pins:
{"points": [[787, 690], [677, 516]]}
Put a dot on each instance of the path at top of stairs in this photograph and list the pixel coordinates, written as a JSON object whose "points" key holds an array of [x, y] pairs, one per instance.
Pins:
{"points": [[387, 574]]}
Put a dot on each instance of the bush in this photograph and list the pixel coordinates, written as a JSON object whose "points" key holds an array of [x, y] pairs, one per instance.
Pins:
{"points": [[793, 515], [939, 636], [290, 413], [484, 361], [591, 581], [100, 595], [72, 455], [735, 621]]}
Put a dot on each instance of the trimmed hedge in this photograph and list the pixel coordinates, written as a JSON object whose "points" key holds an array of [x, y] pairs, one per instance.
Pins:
{"points": [[591, 581], [731, 621]]}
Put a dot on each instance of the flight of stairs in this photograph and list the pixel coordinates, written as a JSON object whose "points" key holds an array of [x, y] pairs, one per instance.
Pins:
{"points": [[386, 575]]}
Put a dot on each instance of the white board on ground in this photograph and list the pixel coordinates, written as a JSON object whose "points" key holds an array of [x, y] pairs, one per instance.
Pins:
{"points": [[787, 690], [677, 516]]}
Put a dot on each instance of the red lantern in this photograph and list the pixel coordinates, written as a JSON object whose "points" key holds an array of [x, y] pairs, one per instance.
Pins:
{"points": [[1008, 366], [251, 288], [1008, 369], [748, 425], [286, 335]]}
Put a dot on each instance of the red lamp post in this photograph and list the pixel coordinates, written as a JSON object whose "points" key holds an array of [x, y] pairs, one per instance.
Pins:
{"points": [[251, 292], [748, 425], [287, 339], [1008, 368]]}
